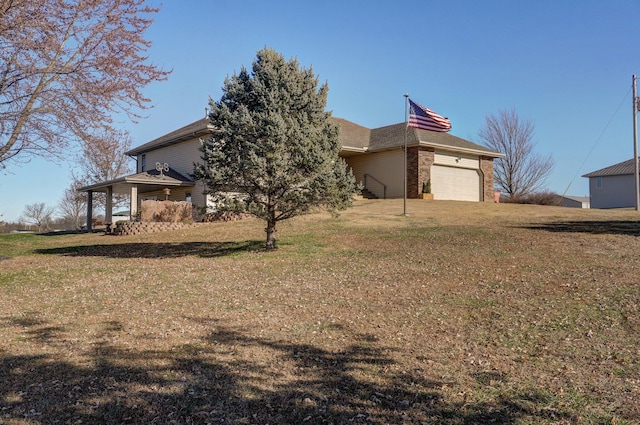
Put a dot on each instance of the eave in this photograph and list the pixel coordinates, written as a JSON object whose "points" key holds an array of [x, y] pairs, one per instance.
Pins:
{"points": [[457, 149], [146, 180]]}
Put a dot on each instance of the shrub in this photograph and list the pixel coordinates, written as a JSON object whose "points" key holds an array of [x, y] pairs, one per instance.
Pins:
{"points": [[536, 198]]}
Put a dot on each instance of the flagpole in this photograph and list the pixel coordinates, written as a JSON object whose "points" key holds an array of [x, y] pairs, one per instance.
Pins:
{"points": [[635, 144], [406, 105]]}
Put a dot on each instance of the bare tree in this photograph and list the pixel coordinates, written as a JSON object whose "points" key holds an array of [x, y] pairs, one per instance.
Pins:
{"points": [[65, 68], [73, 206], [103, 158], [521, 171], [38, 214]]}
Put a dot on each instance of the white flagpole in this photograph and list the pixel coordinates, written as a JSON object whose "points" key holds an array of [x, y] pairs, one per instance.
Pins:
{"points": [[404, 172]]}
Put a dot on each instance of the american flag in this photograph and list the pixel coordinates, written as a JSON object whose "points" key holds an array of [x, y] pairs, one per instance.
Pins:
{"points": [[426, 119]]}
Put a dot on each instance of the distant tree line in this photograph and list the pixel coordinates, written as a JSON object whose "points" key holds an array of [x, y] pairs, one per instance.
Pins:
{"points": [[69, 214]]}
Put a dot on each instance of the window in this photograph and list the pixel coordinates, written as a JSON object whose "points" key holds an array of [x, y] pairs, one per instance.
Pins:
{"points": [[598, 182], [188, 197], [143, 162]]}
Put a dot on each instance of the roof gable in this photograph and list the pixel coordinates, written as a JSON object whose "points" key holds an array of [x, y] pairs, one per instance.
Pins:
{"points": [[199, 128]]}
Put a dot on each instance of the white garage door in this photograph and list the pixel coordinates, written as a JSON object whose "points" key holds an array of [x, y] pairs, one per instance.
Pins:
{"points": [[457, 184]]}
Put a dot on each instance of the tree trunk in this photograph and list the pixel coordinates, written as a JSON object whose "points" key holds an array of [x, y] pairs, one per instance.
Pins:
{"points": [[271, 235]]}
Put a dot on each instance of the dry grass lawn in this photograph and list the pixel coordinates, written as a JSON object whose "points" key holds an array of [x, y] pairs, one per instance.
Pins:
{"points": [[460, 313]]}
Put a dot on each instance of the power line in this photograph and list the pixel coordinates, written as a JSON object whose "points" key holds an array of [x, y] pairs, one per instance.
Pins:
{"points": [[596, 142]]}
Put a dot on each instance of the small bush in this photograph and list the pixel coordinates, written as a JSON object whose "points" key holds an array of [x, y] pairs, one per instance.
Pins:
{"points": [[166, 211]]}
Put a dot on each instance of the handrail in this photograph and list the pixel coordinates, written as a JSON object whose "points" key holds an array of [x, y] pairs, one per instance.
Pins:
{"points": [[384, 186]]}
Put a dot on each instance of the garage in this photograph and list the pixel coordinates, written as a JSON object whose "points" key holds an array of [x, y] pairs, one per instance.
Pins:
{"points": [[457, 184]]}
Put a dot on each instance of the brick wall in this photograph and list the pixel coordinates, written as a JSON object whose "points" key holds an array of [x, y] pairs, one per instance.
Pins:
{"points": [[128, 228], [486, 167], [419, 162]]}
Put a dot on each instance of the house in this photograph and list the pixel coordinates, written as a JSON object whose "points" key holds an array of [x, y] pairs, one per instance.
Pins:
{"points": [[613, 186], [572, 201], [457, 168], [163, 169], [121, 216]]}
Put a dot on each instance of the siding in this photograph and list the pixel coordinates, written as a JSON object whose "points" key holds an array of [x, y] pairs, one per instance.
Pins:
{"points": [[180, 157], [455, 160], [616, 192], [198, 197], [387, 167], [572, 203]]}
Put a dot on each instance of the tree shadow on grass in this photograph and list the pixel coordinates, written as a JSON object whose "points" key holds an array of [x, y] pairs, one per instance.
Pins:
{"points": [[631, 228], [231, 377], [157, 250]]}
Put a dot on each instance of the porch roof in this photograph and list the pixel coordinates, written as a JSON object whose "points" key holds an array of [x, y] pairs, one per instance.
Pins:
{"points": [[146, 181]]}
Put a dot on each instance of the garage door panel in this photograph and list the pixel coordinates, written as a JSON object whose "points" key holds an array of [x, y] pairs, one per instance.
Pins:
{"points": [[456, 184]]}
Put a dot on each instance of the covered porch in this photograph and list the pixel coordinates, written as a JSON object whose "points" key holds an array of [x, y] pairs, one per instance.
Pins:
{"points": [[148, 184]]}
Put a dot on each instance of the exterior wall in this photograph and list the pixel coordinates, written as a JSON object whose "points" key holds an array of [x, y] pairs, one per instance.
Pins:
{"points": [[180, 157], [419, 162], [486, 170], [385, 166], [198, 196], [451, 159], [616, 192], [573, 203], [429, 158], [177, 194]]}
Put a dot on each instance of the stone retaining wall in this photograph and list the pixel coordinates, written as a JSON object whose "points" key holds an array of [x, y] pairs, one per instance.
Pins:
{"points": [[127, 228]]}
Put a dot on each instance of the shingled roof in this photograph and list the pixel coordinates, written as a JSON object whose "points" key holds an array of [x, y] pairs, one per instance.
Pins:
{"points": [[199, 128], [357, 135], [392, 136], [150, 177], [354, 138], [619, 169]]}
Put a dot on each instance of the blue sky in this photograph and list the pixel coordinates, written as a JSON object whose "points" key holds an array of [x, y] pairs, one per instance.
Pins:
{"points": [[565, 65]]}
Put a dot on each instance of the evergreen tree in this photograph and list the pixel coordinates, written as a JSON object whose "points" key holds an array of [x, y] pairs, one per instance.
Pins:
{"points": [[274, 153]]}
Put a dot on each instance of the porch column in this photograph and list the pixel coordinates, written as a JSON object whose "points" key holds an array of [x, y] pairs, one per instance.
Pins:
{"points": [[89, 209], [133, 207], [108, 212]]}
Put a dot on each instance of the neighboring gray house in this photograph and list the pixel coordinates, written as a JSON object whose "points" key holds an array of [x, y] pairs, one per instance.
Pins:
{"points": [[573, 201], [613, 186]]}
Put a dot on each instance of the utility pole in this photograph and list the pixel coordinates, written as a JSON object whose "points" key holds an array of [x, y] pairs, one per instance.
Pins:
{"points": [[635, 144]]}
